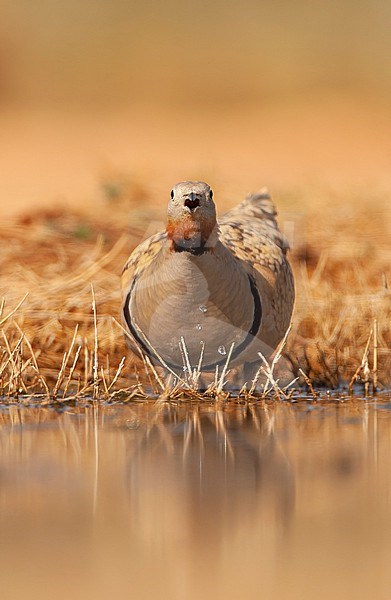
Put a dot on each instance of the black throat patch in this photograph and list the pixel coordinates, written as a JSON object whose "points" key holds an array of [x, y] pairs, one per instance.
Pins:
{"points": [[194, 250]]}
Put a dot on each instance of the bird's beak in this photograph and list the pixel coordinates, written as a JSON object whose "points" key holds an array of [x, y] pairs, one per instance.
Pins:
{"points": [[192, 201]]}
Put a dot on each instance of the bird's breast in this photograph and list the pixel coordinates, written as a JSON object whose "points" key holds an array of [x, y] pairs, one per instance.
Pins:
{"points": [[207, 301]]}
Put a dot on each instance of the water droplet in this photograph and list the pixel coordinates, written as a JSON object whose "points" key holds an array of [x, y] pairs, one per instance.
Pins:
{"points": [[198, 327], [203, 308], [222, 350]]}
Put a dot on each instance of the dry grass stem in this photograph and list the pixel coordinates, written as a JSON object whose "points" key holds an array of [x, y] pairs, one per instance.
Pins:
{"points": [[72, 370], [309, 384], [363, 365], [375, 350], [224, 372], [13, 311], [118, 373], [95, 364]]}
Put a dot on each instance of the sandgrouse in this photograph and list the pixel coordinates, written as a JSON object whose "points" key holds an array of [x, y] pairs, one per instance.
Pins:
{"points": [[214, 283]]}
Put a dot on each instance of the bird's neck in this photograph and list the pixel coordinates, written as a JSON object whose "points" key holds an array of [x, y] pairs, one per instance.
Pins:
{"points": [[190, 235]]}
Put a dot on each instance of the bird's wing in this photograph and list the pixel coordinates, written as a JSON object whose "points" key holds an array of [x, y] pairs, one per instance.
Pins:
{"points": [[251, 232], [141, 257]]}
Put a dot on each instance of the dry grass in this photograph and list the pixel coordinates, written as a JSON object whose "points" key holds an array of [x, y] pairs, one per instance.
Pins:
{"points": [[62, 339], [342, 261]]}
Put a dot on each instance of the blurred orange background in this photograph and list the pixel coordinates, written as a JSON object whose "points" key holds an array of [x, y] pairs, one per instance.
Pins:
{"points": [[289, 95]]}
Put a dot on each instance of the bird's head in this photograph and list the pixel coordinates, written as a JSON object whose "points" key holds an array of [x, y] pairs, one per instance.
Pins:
{"points": [[191, 222]]}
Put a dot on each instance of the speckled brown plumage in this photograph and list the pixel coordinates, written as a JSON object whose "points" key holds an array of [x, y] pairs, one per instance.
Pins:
{"points": [[237, 288]]}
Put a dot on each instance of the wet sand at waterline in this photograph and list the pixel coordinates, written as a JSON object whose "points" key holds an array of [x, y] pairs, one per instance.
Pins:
{"points": [[278, 501]]}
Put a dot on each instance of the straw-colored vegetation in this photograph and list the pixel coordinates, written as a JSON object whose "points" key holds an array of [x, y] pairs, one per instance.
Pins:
{"points": [[59, 330]]}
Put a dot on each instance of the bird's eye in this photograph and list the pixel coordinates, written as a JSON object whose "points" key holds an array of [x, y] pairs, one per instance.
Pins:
{"points": [[172, 194], [211, 194]]}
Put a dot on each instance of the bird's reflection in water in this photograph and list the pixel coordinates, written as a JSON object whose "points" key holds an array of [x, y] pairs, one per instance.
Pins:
{"points": [[203, 478], [193, 501]]}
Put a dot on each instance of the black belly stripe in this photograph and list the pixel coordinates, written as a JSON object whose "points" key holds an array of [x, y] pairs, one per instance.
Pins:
{"points": [[236, 351]]}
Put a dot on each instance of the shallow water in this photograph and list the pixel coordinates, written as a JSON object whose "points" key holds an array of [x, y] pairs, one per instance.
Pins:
{"points": [[274, 502]]}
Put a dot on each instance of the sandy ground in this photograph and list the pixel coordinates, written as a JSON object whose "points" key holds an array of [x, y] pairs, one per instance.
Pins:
{"points": [[49, 157]]}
